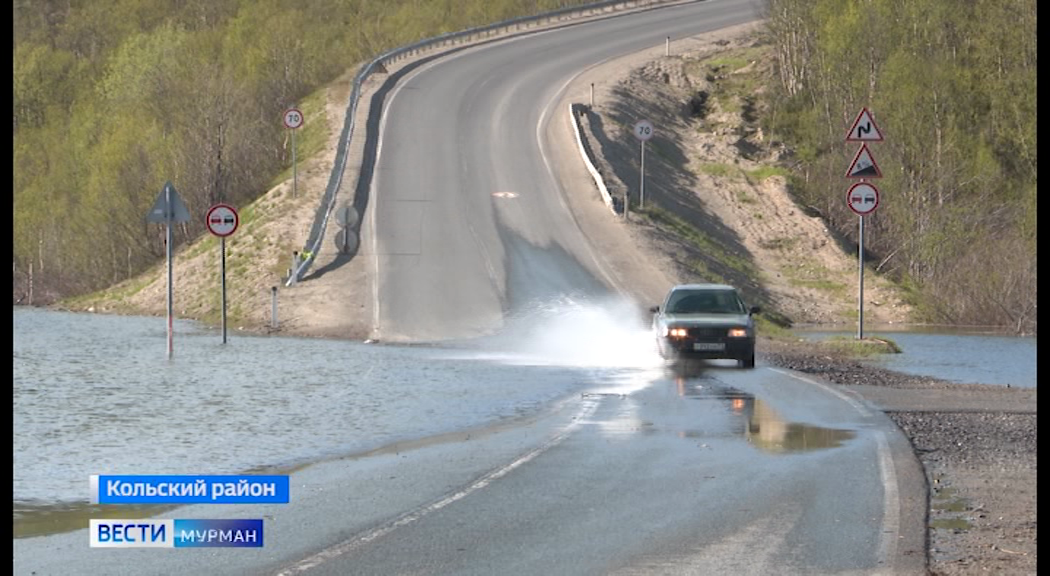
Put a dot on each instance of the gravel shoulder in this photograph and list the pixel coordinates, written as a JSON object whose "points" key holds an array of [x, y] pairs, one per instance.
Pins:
{"points": [[977, 446]]}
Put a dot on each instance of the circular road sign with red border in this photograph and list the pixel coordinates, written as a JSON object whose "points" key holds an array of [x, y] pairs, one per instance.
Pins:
{"points": [[863, 198], [222, 220], [643, 130], [293, 118]]}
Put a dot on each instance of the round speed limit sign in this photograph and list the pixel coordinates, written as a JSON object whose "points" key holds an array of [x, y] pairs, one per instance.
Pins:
{"points": [[293, 118], [643, 130]]}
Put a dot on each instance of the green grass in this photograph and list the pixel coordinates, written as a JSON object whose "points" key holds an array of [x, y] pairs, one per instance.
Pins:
{"points": [[719, 169], [248, 215], [868, 346], [702, 242], [112, 296], [770, 325], [283, 261], [737, 59], [728, 102], [761, 173], [310, 138], [807, 274], [202, 244]]}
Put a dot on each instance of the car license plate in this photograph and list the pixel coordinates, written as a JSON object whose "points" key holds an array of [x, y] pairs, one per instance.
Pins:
{"points": [[709, 346]]}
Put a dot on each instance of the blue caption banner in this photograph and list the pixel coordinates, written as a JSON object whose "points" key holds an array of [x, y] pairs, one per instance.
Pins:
{"points": [[247, 489], [177, 533]]}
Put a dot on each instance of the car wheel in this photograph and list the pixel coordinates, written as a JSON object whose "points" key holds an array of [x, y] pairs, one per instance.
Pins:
{"points": [[748, 361]]}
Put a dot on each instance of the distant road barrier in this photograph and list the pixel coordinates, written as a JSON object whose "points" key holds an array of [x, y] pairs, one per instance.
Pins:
{"points": [[515, 25]]}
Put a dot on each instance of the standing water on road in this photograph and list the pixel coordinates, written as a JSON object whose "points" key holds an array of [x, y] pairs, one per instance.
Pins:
{"points": [[965, 357], [96, 394]]}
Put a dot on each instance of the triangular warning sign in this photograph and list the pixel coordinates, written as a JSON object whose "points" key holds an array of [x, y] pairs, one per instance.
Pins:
{"points": [[165, 210], [863, 165], [864, 129]]}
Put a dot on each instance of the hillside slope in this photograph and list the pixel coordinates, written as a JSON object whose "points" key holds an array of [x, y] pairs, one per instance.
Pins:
{"points": [[717, 209], [717, 203]]}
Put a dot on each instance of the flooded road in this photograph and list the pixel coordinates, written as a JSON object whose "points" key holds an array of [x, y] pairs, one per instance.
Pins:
{"points": [[568, 423], [576, 451], [96, 394], [962, 355]]}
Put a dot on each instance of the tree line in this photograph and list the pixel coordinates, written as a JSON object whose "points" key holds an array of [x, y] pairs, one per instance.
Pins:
{"points": [[952, 87], [113, 98]]}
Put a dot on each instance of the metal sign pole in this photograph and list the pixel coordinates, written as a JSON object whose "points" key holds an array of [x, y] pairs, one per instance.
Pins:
{"points": [[643, 130], [168, 209], [860, 288], [169, 216], [295, 167], [222, 248], [641, 198]]}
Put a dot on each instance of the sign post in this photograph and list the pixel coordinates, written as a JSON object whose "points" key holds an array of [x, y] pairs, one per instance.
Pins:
{"points": [[168, 209], [862, 197], [643, 130], [222, 221], [293, 119]]}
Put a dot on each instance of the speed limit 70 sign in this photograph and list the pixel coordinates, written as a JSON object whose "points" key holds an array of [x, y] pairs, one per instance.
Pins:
{"points": [[293, 118], [643, 130]]}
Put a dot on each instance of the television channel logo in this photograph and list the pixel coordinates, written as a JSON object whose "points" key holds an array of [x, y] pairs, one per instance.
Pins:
{"points": [[176, 533]]}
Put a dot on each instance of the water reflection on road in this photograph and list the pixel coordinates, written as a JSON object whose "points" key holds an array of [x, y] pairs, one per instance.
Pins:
{"points": [[760, 424]]}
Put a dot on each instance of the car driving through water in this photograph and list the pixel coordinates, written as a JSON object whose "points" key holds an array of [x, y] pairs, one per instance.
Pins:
{"points": [[705, 321]]}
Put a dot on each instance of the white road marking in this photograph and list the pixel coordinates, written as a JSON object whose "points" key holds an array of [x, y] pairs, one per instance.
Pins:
{"points": [[410, 517], [864, 411], [887, 473]]}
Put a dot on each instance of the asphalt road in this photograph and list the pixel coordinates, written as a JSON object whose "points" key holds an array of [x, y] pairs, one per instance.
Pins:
{"points": [[469, 221], [703, 473], [716, 471]]}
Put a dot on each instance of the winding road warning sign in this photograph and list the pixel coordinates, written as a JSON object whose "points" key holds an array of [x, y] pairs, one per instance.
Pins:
{"points": [[864, 129]]}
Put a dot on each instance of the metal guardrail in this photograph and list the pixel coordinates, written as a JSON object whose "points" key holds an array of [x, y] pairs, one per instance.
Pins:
{"points": [[575, 111], [327, 205]]}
